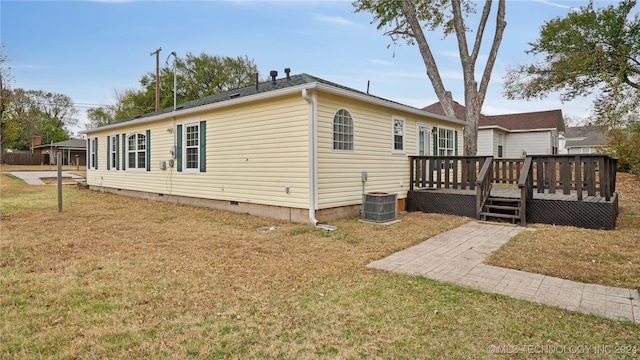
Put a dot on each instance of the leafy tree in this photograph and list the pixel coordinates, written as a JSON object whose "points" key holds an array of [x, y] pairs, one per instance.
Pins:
{"points": [[197, 77], [37, 112], [100, 116], [5, 92], [624, 144], [406, 19], [590, 51]]}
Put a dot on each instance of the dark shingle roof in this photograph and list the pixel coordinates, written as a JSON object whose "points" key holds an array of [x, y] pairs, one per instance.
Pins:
{"points": [[71, 143], [581, 136], [550, 119], [263, 87]]}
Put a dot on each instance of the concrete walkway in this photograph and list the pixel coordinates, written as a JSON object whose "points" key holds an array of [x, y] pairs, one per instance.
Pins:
{"points": [[457, 255], [33, 177]]}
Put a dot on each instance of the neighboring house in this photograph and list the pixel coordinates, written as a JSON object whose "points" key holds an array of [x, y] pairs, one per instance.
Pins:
{"points": [[513, 135], [583, 140], [292, 148], [73, 151]]}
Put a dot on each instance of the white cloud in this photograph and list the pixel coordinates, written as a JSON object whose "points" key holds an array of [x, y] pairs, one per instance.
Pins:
{"points": [[380, 62], [551, 3], [337, 20]]}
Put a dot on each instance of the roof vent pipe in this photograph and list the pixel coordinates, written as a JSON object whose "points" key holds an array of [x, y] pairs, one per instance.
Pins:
{"points": [[273, 75], [257, 83], [287, 71]]}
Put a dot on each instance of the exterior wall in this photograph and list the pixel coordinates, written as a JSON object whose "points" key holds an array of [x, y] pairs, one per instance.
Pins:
{"points": [[534, 143], [253, 152], [340, 172], [486, 142]]}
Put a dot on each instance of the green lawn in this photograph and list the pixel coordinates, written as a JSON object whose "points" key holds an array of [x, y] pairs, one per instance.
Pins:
{"points": [[115, 277]]}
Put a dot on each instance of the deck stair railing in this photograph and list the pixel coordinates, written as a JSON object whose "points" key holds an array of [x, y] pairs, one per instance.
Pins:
{"points": [[484, 184]]}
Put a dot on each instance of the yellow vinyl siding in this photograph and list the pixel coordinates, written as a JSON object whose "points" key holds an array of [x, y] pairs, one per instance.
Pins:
{"points": [[253, 152], [339, 172]]}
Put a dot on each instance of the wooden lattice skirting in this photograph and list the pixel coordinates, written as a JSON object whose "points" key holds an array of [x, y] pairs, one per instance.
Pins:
{"points": [[589, 215]]}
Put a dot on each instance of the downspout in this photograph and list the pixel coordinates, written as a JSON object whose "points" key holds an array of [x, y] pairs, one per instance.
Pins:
{"points": [[313, 161]]}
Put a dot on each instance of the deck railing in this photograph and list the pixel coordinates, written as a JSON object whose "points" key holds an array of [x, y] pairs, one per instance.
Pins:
{"points": [[593, 173], [445, 172], [590, 173]]}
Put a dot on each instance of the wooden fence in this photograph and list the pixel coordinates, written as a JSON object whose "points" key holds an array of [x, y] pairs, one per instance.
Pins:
{"points": [[25, 159]]}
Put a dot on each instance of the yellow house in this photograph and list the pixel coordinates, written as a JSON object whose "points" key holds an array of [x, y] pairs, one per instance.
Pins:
{"points": [[298, 148]]}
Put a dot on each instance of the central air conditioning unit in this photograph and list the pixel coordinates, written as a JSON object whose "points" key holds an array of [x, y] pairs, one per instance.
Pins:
{"points": [[379, 207]]}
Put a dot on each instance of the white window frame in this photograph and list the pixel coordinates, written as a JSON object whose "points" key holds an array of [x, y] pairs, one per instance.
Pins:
{"points": [[398, 120], [453, 141], [500, 145], [345, 138], [136, 152], [186, 146], [93, 156], [429, 134], [113, 155]]}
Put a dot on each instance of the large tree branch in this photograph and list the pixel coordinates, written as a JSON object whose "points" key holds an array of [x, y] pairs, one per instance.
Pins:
{"points": [[444, 96], [501, 24], [480, 33]]}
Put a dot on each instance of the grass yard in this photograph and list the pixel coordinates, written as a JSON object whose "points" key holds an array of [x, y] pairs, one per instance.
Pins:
{"points": [[116, 277], [593, 256]]}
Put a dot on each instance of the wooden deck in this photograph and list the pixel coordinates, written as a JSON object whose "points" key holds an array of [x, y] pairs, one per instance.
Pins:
{"points": [[514, 192], [574, 190]]}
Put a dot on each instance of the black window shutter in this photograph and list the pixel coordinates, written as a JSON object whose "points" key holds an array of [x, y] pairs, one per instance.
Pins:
{"points": [[96, 152], [108, 152], [88, 154], [179, 147], [117, 152], [203, 146], [148, 150], [124, 151], [455, 137]]}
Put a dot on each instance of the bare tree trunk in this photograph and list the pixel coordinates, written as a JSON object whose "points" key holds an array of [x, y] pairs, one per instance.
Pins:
{"points": [[474, 95], [444, 96]]}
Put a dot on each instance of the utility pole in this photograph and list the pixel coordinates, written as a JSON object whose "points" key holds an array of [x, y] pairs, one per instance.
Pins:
{"points": [[157, 53]]}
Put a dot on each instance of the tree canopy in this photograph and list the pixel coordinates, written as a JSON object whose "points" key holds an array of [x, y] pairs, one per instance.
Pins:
{"points": [[407, 19], [590, 51], [36, 112], [196, 76]]}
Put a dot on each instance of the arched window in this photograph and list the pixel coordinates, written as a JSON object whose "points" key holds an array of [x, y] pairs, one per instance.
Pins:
{"points": [[343, 131], [137, 151]]}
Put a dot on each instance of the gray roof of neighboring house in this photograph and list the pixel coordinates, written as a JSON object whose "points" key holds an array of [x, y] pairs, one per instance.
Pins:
{"points": [[67, 144], [585, 136], [550, 119]]}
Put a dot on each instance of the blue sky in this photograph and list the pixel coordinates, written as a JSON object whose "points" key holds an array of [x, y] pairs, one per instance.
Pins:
{"points": [[88, 49]]}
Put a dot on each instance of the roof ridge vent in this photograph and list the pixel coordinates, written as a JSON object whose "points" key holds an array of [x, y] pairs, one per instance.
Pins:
{"points": [[274, 75], [288, 72]]}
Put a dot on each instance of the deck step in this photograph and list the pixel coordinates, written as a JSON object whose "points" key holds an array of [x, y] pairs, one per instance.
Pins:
{"points": [[503, 207], [503, 199], [499, 215]]}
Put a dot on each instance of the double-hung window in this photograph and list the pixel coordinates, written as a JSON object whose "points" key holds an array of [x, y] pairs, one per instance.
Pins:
{"points": [[192, 146], [500, 145], [191, 150], [137, 151], [398, 136], [113, 152], [93, 153], [446, 142]]}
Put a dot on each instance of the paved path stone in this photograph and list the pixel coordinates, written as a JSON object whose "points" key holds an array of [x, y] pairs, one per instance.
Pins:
{"points": [[33, 177], [457, 256]]}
